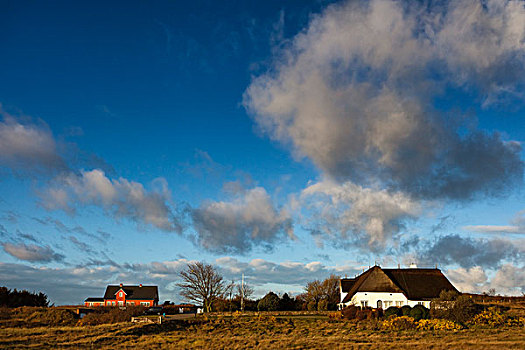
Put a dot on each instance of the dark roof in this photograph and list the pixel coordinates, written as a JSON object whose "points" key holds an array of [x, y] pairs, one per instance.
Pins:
{"points": [[94, 299], [420, 284], [415, 284], [133, 292], [346, 284]]}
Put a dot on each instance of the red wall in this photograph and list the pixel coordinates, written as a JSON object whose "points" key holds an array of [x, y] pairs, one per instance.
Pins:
{"points": [[122, 298]]}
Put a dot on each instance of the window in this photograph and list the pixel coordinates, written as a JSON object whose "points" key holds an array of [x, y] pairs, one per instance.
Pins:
{"points": [[399, 303], [146, 303], [387, 304], [420, 303], [112, 303], [120, 294], [364, 303], [120, 303]]}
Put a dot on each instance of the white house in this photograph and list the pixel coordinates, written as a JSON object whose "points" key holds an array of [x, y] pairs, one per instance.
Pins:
{"points": [[382, 288]]}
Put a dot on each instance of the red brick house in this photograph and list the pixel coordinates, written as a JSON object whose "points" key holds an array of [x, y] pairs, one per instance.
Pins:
{"points": [[121, 295]]}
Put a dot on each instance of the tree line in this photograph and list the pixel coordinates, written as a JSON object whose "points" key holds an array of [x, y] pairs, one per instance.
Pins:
{"points": [[16, 298], [204, 285]]}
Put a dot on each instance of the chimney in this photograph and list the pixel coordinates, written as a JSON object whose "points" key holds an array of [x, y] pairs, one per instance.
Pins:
{"points": [[121, 285], [140, 285]]}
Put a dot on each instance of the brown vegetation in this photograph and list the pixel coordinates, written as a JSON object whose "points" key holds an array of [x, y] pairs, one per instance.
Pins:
{"points": [[248, 330], [258, 332]]}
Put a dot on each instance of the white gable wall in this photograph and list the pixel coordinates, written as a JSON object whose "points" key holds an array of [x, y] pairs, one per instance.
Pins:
{"points": [[343, 295], [387, 299]]}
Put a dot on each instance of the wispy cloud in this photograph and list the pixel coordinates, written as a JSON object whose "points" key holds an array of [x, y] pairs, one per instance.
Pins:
{"points": [[61, 227], [28, 146], [32, 252], [493, 228], [119, 197]]}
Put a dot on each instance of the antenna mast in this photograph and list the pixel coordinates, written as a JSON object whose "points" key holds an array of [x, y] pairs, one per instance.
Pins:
{"points": [[242, 293]]}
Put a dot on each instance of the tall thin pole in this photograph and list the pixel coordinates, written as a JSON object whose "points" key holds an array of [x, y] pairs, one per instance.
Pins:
{"points": [[242, 293]]}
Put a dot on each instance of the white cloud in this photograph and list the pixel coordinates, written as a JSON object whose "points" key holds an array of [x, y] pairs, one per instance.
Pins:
{"points": [[288, 274], [32, 252], [120, 197], [354, 93], [517, 225], [492, 228], [507, 280], [250, 219], [471, 280], [28, 146], [348, 213], [71, 285]]}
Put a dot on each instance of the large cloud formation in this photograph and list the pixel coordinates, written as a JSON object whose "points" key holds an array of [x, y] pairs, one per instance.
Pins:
{"points": [[119, 197], [507, 280], [235, 226], [356, 92], [469, 252], [349, 210]]}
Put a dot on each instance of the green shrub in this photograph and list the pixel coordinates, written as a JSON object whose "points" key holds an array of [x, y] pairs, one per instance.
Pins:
{"points": [[419, 312], [405, 310], [393, 311], [270, 302]]}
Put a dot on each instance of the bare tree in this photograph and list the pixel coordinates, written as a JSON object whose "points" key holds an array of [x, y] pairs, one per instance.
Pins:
{"points": [[324, 290], [331, 289], [315, 291], [245, 290], [202, 283]]}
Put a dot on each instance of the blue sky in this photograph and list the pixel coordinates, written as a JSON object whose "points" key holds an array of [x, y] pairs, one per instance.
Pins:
{"points": [[283, 140]]}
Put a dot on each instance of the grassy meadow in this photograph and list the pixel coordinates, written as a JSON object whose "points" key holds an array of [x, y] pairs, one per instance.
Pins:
{"points": [[261, 331]]}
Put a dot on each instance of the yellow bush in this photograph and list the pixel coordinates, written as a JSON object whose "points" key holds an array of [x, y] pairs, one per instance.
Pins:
{"points": [[493, 318], [515, 322], [437, 324], [489, 318], [399, 323]]}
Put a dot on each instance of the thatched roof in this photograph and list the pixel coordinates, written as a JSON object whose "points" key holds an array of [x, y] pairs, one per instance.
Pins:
{"points": [[346, 284], [415, 284]]}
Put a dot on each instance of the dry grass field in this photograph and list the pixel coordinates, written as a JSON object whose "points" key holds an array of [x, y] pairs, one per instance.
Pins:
{"points": [[267, 332]]}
